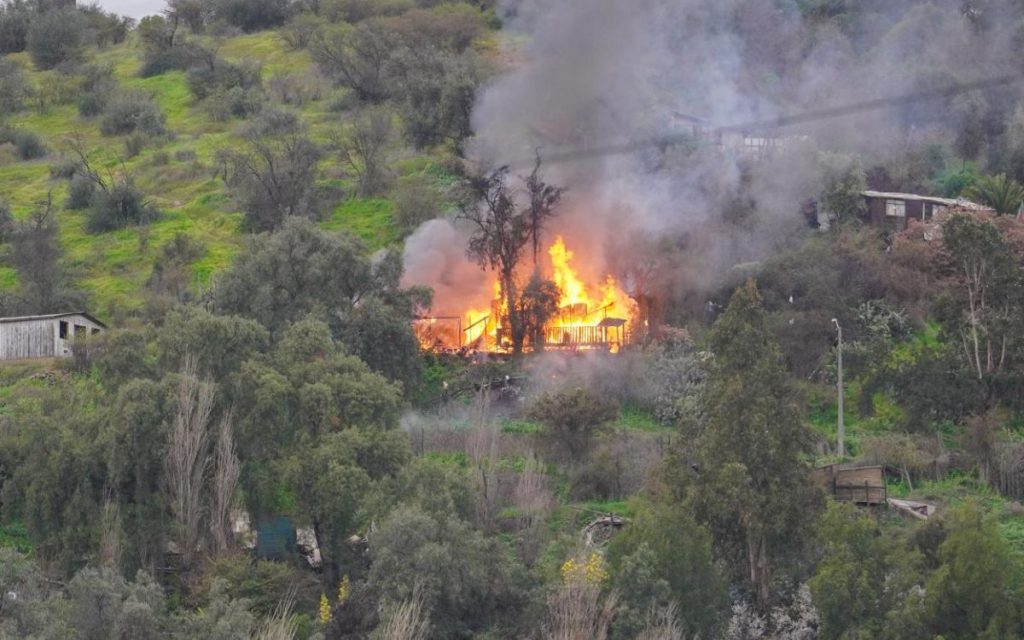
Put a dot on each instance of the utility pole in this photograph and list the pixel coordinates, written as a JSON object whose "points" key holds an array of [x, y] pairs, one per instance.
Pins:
{"points": [[841, 429]]}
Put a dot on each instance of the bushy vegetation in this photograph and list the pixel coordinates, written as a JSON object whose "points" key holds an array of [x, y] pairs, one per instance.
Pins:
{"points": [[261, 372]]}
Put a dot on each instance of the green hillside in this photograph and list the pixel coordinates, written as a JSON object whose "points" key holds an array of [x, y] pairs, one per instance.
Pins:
{"points": [[807, 325], [179, 174]]}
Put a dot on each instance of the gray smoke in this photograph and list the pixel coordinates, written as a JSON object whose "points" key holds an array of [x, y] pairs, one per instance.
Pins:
{"points": [[595, 72]]}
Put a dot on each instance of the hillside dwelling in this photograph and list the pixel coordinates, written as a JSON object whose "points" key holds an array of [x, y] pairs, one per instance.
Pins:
{"points": [[50, 336], [851, 483], [892, 211]]}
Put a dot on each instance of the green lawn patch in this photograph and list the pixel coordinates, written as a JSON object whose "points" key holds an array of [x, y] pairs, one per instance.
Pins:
{"points": [[368, 218]]}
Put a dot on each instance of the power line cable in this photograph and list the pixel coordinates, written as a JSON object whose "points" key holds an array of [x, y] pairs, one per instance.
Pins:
{"points": [[667, 140]]}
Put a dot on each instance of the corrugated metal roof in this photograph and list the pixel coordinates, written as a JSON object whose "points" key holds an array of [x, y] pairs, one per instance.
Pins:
{"points": [[948, 202], [52, 316]]}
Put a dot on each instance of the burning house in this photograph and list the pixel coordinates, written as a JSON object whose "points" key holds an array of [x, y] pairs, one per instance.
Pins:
{"points": [[590, 315]]}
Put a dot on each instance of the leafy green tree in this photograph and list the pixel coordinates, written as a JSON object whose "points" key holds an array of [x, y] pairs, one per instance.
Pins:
{"points": [[54, 459], [273, 178], [219, 344], [135, 442], [968, 595], [283, 277], [1000, 192], [303, 271], [55, 37], [537, 305], [306, 388], [665, 557], [752, 459], [843, 180], [428, 484], [37, 256], [469, 583], [15, 16], [435, 91], [328, 484], [862, 577], [103, 605], [19, 616], [985, 313], [357, 57]]}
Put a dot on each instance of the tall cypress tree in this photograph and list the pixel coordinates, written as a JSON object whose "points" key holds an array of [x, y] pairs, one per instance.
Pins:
{"points": [[753, 455]]}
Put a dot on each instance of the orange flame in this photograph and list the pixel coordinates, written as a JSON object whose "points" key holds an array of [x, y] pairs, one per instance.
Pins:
{"points": [[580, 322]]}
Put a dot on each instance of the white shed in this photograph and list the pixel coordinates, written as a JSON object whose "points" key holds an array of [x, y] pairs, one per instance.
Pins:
{"points": [[50, 336]]}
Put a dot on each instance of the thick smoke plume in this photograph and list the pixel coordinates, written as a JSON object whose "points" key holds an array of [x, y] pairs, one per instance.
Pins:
{"points": [[676, 219]]}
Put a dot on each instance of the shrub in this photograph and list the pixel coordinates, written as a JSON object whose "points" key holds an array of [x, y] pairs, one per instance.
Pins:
{"points": [[97, 87], [118, 206], [104, 28], [435, 91], [177, 58], [134, 144], [132, 111], [91, 104], [64, 169], [219, 75], [252, 15], [27, 145], [358, 57], [172, 270], [356, 10], [273, 122], [55, 37], [298, 33], [6, 222], [572, 420], [416, 201], [266, 200], [294, 90], [80, 192], [14, 87], [14, 20], [447, 26], [236, 102], [56, 89]]}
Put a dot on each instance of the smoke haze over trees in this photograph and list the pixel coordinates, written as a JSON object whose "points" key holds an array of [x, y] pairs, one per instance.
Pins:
{"points": [[271, 204]]}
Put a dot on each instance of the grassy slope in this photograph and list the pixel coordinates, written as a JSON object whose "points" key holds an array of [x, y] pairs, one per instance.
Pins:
{"points": [[114, 267]]}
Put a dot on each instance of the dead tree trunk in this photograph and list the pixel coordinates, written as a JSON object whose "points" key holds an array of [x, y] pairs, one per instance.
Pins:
{"points": [[188, 458]]}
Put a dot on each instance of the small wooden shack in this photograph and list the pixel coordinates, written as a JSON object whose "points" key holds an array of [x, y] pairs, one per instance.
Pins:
{"points": [[49, 336], [852, 483], [892, 211]]}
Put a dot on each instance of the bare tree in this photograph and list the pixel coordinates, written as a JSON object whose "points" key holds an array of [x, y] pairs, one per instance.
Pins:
{"points": [[580, 612], [482, 450], [534, 501], [364, 150], [662, 624], [407, 622], [225, 481], [188, 457]]}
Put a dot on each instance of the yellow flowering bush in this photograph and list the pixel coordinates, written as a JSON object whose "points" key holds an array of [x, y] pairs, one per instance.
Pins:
{"points": [[344, 590], [590, 570], [325, 610]]}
